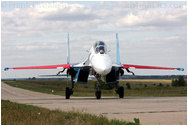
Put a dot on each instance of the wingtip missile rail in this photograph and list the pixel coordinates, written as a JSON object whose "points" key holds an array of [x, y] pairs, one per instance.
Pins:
{"points": [[180, 69], [6, 68]]}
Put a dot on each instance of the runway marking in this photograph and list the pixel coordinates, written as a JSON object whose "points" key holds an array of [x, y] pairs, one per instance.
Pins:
{"points": [[157, 112], [145, 112]]}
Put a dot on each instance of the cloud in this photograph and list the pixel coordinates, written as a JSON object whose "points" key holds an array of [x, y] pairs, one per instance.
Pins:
{"points": [[61, 17], [51, 7], [46, 18], [155, 18], [69, 12], [34, 47], [39, 31]]}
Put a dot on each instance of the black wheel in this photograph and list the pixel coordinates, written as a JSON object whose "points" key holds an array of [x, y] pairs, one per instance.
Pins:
{"points": [[67, 93], [98, 94], [121, 92]]}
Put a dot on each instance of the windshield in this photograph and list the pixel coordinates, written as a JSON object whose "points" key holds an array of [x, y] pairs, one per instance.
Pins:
{"points": [[100, 47]]}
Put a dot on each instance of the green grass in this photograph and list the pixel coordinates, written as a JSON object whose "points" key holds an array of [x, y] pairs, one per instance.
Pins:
{"points": [[20, 114], [153, 87], [145, 88]]}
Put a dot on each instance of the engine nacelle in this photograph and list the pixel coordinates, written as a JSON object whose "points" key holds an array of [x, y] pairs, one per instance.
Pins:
{"points": [[81, 75], [113, 76]]}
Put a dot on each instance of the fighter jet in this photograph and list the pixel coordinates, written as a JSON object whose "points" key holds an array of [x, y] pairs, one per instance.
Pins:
{"points": [[97, 63]]}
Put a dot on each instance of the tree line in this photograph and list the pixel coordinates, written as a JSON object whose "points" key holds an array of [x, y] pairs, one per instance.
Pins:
{"points": [[179, 82]]}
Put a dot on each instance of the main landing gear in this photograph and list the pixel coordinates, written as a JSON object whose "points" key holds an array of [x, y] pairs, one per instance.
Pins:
{"points": [[69, 91], [120, 90]]}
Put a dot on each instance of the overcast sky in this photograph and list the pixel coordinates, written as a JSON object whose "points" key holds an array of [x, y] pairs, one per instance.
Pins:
{"points": [[150, 33]]}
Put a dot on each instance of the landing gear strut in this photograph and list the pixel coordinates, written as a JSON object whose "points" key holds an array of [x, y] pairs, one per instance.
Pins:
{"points": [[98, 92], [69, 91], [120, 90]]}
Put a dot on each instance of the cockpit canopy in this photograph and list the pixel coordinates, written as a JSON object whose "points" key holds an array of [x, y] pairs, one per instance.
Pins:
{"points": [[100, 47]]}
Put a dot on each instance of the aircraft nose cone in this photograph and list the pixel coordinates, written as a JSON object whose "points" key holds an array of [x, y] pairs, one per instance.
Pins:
{"points": [[105, 70], [102, 64]]}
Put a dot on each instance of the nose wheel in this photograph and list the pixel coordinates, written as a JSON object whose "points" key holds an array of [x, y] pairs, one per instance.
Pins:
{"points": [[98, 94]]}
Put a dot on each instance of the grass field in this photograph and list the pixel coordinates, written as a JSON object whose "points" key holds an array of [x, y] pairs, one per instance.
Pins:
{"points": [[149, 81], [20, 114], [144, 87]]}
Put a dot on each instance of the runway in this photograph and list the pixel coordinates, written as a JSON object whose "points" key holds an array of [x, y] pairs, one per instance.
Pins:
{"points": [[150, 110]]}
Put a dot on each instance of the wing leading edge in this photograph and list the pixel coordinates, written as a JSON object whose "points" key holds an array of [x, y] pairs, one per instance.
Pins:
{"points": [[125, 66], [41, 67]]}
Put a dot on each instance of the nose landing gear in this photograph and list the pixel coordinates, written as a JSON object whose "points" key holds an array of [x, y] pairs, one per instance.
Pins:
{"points": [[98, 92]]}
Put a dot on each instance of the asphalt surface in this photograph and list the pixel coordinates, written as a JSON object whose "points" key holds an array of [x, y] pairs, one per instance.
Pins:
{"points": [[150, 110]]}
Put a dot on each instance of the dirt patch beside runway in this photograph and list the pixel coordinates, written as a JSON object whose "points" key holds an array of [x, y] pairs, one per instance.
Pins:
{"points": [[150, 110]]}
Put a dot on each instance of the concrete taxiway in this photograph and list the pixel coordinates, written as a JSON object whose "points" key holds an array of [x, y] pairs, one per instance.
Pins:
{"points": [[150, 110]]}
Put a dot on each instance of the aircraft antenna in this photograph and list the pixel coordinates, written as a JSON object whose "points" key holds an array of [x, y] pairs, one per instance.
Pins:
{"points": [[117, 51], [68, 49]]}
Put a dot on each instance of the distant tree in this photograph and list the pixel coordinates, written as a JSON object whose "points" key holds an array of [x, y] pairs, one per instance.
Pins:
{"points": [[179, 82], [174, 82], [128, 85], [160, 85]]}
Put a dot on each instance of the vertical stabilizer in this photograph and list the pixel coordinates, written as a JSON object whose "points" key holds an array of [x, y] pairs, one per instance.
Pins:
{"points": [[68, 49], [117, 51]]}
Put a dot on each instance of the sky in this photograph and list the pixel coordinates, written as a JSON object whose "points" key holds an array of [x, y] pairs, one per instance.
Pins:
{"points": [[35, 33]]}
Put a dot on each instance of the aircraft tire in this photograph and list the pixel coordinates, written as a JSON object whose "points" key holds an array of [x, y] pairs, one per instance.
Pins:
{"points": [[98, 94], [67, 93], [121, 92]]}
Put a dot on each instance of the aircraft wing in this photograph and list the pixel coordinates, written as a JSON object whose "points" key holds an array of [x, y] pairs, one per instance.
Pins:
{"points": [[126, 66], [41, 67]]}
